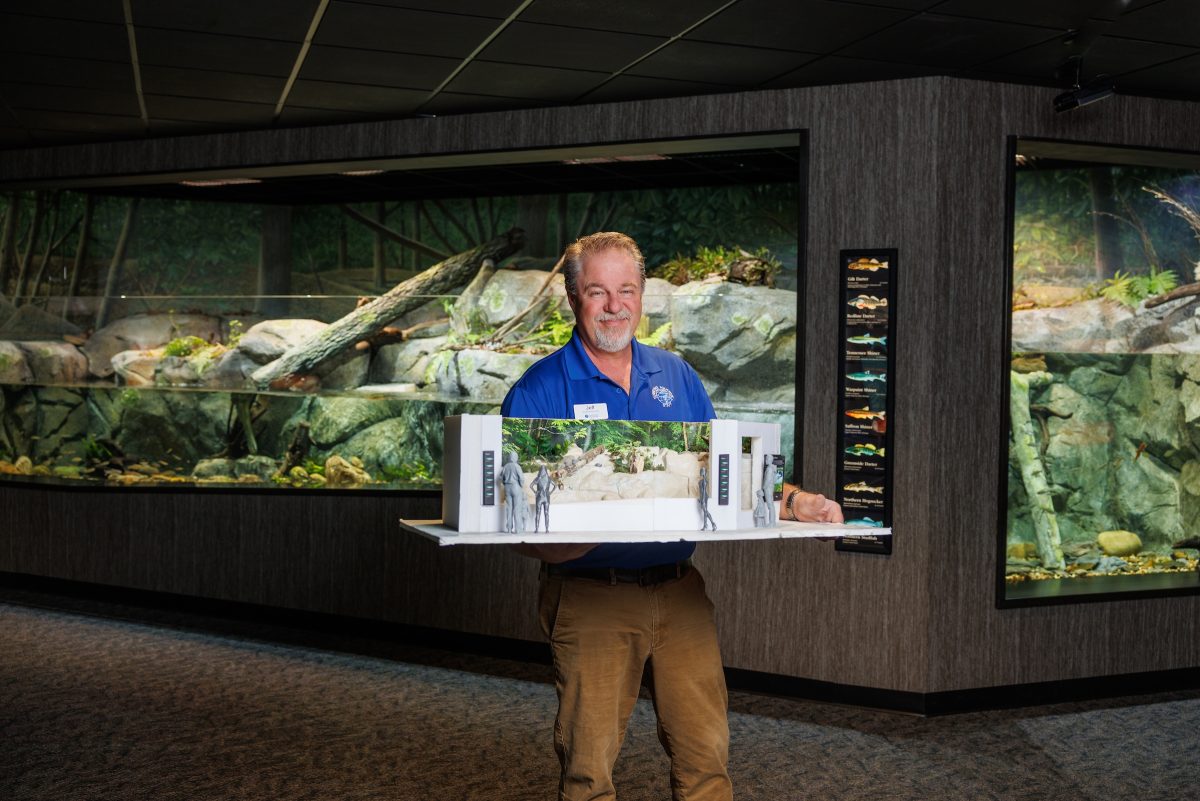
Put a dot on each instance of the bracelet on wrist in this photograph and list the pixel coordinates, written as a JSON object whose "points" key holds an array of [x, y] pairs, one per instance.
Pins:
{"points": [[788, 506]]}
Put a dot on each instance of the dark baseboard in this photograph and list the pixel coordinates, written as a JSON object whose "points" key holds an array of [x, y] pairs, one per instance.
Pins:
{"points": [[302, 627]]}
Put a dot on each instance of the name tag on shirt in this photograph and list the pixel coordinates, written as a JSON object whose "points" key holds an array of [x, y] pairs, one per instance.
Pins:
{"points": [[591, 411]]}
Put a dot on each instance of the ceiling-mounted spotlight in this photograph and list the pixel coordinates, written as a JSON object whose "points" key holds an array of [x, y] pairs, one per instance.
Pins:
{"points": [[1091, 92]]}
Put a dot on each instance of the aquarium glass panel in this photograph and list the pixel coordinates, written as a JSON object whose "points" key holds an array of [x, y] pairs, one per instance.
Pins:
{"points": [[1103, 468], [211, 335]]}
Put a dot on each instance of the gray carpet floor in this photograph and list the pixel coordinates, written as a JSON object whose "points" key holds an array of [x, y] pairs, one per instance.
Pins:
{"points": [[100, 705]]}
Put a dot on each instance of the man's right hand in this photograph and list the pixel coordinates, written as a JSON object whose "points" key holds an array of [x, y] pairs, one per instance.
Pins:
{"points": [[553, 554]]}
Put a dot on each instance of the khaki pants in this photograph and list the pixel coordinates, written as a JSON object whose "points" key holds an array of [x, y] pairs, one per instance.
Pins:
{"points": [[602, 635]]}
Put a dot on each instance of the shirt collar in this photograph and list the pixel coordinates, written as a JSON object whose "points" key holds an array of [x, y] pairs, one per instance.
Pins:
{"points": [[581, 367]]}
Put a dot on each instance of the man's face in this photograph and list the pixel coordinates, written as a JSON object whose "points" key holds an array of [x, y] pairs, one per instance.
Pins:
{"points": [[609, 304]]}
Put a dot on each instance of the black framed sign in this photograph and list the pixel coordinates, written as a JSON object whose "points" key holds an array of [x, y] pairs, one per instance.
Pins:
{"points": [[866, 376]]}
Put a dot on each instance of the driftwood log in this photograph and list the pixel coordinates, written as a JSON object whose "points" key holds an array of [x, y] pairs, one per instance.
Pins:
{"points": [[1033, 472], [1184, 291], [337, 342]]}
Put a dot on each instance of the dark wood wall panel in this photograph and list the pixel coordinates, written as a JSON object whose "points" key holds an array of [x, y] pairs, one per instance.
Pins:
{"points": [[973, 644], [918, 165]]}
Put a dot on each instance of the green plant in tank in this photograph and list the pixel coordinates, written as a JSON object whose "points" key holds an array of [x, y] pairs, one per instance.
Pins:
{"points": [[1130, 290], [660, 337], [129, 397], [408, 473], [94, 450], [313, 466], [735, 264], [236, 331], [184, 346]]}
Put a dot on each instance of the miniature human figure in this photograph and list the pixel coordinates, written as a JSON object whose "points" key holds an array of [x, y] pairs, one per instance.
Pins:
{"points": [[543, 487], [702, 498], [761, 510], [768, 488], [514, 495]]}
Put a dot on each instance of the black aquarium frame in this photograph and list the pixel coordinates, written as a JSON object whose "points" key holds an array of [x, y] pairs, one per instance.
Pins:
{"points": [[1051, 592], [164, 186]]}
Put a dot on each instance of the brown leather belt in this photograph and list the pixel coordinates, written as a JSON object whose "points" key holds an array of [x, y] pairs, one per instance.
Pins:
{"points": [[644, 576]]}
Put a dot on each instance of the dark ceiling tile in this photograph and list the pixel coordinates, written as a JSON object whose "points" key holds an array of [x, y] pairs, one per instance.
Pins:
{"points": [[496, 9], [298, 115], [718, 63], [635, 87], [402, 30], [211, 84], [446, 103], [75, 9], [208, 51], [1176, 79], [105, 124], [70, 98], [512, 80], [951, 42], [1172, 21], [1060, 14], [64, 71], [16, 137], [190, 109], [377, 100], [1106, 56], [573, 48], [21, 34], [630, 16], [837, 69], [814, 26], [268, 19], [348, 65], [911, 5]]}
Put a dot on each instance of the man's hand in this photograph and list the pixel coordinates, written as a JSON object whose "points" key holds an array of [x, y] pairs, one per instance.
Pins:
{"points": [[553, 554], [810, 507]]}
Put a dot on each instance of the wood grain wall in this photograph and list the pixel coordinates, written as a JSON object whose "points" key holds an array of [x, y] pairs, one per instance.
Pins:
{"points": [[918, 165]]}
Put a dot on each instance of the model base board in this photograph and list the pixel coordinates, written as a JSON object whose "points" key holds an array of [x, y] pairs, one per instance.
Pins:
{"points": [[437, 531]]}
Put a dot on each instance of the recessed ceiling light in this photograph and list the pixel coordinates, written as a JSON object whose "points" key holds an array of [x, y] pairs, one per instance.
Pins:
{"points": [[355, 173]]}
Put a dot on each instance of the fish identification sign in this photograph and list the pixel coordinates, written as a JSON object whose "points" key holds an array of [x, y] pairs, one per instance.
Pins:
{"points": [[867, 386]]}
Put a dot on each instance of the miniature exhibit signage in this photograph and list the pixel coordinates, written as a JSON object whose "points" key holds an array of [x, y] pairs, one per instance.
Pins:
{"points": [[600, 480], [867, 380]]}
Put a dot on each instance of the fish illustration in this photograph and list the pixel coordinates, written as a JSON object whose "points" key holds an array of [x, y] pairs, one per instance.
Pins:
{"points": [[865, 413], [867, 302], [864, 449], [867, 375], [862, 486], [868, 264], [867, 339], [865, 521]]}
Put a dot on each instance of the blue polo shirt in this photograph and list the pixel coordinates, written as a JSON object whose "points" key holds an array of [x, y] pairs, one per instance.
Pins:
{"points": [[662, 386]]}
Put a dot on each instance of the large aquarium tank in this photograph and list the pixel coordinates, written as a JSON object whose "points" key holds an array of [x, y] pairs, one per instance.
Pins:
{"points": [[1103, 458], [307, 329]]}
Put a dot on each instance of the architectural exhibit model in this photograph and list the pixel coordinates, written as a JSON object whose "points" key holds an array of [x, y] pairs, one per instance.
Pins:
{"points": [[609, 480]]}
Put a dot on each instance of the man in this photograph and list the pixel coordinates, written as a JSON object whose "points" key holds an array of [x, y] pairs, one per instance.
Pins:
{"points": [[610, 608]]}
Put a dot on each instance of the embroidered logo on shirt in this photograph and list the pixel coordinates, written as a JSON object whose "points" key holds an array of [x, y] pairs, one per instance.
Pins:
{"points": [[663, 396]]}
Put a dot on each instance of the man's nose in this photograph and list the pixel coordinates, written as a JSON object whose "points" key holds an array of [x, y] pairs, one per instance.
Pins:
{"points": [[612, 304]]}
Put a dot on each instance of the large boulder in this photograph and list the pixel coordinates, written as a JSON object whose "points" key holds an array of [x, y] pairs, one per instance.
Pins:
{"points": [[737, 334], [145, 332], [30, 322], [508, 292], [335, 419], [266, 341], [136, 368], [1085, 327], [485, 376], [173, 427], [14, 366], [62, 424], [404, 362], [55, 362], [656, 302]]}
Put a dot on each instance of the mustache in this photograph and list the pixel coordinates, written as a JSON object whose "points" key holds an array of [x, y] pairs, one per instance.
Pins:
{"points": [[605, 317]]}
